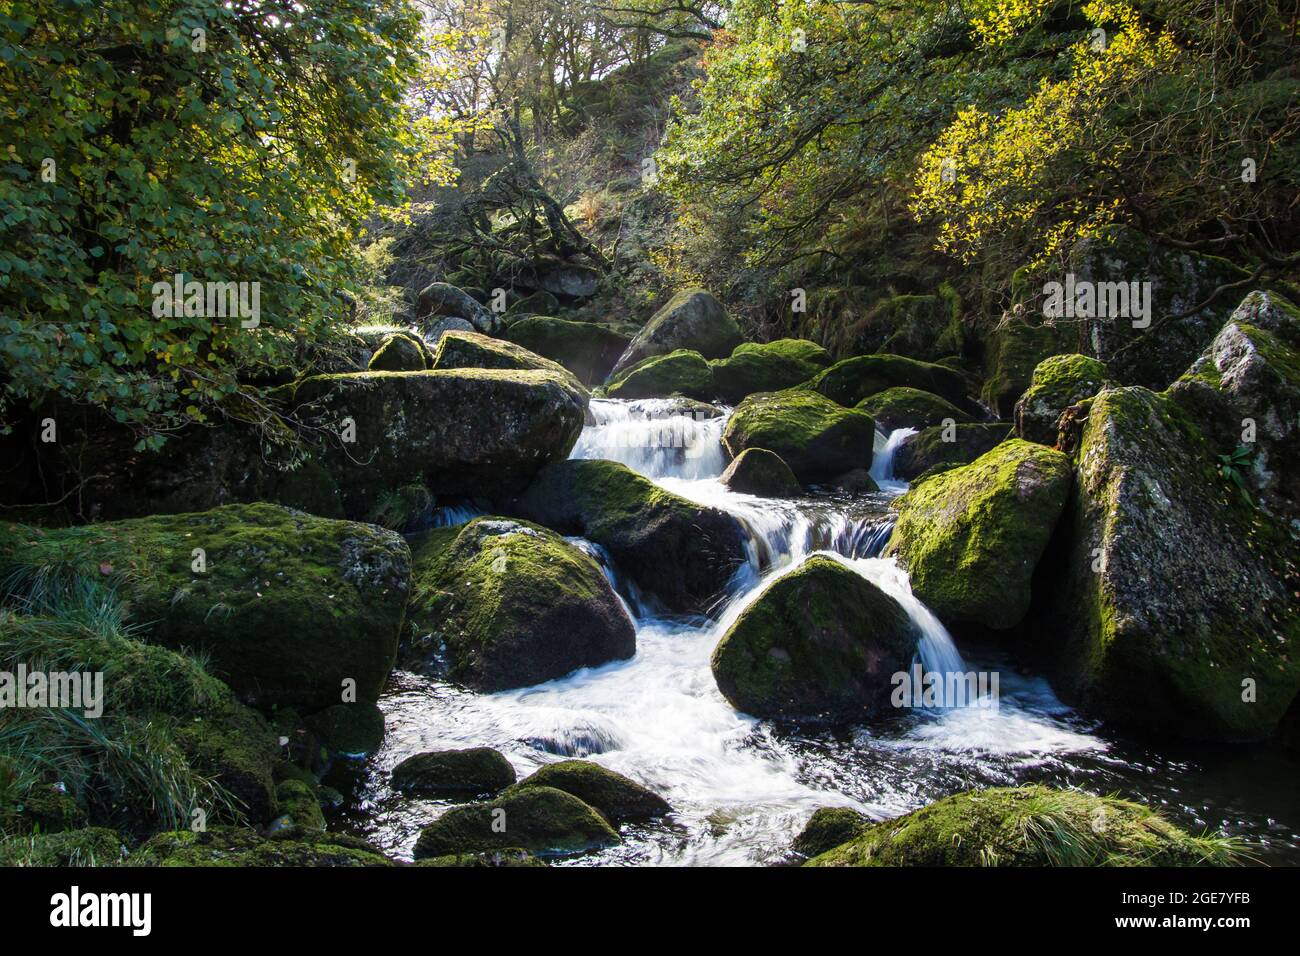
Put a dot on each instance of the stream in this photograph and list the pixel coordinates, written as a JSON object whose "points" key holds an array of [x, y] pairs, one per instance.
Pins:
{"points": [[743, 788]]}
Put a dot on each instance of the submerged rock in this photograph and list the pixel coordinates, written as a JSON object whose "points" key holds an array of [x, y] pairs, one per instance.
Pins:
{"points": [[1059, 382], [828, 828], [903, 407], [682, 372], [820, 641], [618, 799], [586, 349], [941, 446], [769, 367], [473, 772], [1028, 826], [683, 553], [285, 606], [849, 381], [537, 819], [971, 537], [691, 319], [757, 471], [816, 438]]}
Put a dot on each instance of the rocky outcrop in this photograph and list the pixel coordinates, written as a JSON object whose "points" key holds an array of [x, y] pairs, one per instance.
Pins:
{"points": [[817, 438], [819, 642], [691, 319], [510, 604]]}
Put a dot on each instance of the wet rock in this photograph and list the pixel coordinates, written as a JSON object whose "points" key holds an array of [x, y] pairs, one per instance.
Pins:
{"points": [[903, 407], [618, 799], [817, 438], [472, 772], [769, 367], [540, 820], [1059, 382], [820, 641], [828, 828], [682, 372], [691, 319], [940, 447], [757, 471]]}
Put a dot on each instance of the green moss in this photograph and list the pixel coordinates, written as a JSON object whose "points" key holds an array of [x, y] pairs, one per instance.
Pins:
{"points": [[1014, 350], [683, 372], [828, 828], [769, 367], [511, 857], [541, 820], [473, 772], [851, 380], [298, 807], [1059, 381], [586, 349], [757, 471], [618, 799], [939, 448], [230, 846], [1029, 826], [818, 439], [971, 537], [93, 846], [461, 350], [400, 352], [904, 407]]}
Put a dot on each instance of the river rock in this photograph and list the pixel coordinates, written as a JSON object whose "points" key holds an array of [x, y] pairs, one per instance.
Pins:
{"points": [[940, 447], [235, 846], [828, 828], [903, 407], [1171, 602], [399, 352], [512, 604], [971, 537], [769, 367], [851, 380], [472, 350], [586, 349], [1059, 382], [817, 438], [286, 606], [691, 319], [1028, 826], [820, 641], [541, 820], [442, 300], [473, 772], [617, 798], [684, 553], [757, 471], [682, 372]]}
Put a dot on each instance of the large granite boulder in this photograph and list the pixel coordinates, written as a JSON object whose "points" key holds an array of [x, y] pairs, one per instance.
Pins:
{"points": [[691, 319], [817, 438]]}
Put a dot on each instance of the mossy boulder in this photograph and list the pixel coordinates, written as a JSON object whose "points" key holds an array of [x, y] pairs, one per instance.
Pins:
{"points": [[42, 808], [473, 772], [769, 367], [400, 352], [298, 806], [757, 471], [586, 349], [234, 846], [1029, 826], [972, 536], [349, 730], [1014, 349], [442, 300], [464, 431], [849, 381], [541, 820], [819, 642], [491, 859], [691, 319], [512, 604], [828, 828], [286, 607], [903, 407], [92, 846], [683, 372], [943, 446], [815, 437], [472, 350], [617, 798], [1172, 599], [681, 552], [1058, 382]]}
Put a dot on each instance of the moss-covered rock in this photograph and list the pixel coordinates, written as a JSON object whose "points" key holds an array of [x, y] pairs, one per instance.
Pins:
{"points": [[820, 641], [442, 300], [691, 319], [942, 446], [816, 438], [287, 607], [511, 604], [43, 808], [586, 349], [683, 372], [473, 350], [1014, 349], [92, 846], [233, 846], [757, 471], [473, 772], [618, 799], [493, 859], [682, 552], [349, 730], [1171, 600], [1029, 826], [400, 352], [298, 806], [904, 407], [828, 828], [541, 820], [769, 367], [851, 380], [465, 431], [1058, 382], [972, 536]]}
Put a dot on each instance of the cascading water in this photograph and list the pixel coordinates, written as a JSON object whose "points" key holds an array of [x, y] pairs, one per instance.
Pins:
{"points": [[740, 788], [882, 465]]}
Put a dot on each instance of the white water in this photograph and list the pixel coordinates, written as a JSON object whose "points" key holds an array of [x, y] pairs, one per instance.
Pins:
{"points": [[882, 465], [741, 788]]}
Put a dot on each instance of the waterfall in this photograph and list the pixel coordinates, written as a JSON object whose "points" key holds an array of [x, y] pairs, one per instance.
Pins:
{"points": [[882, 464], [655, 437]]}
